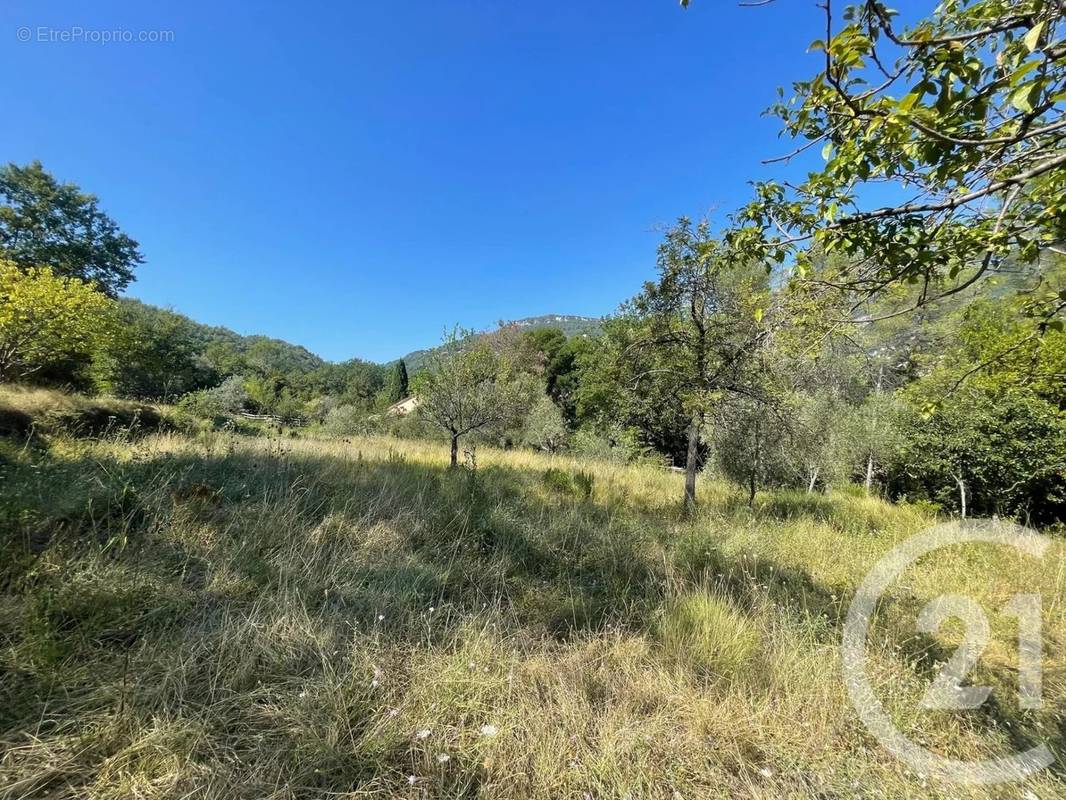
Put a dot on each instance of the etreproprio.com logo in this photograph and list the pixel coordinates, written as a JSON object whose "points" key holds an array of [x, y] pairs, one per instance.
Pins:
{"points": [[77, 34]]}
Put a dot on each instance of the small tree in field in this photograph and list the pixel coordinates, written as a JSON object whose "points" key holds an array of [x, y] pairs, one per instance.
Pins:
{"points": [[699, 331], [45, 319], [468, 386], [545, 427]]}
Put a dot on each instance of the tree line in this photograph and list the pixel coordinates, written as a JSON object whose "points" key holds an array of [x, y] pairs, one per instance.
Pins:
{"points": [[811, 340]]}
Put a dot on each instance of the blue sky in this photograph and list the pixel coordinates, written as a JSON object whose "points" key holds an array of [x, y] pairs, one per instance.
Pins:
{"points": [[355, 177]]}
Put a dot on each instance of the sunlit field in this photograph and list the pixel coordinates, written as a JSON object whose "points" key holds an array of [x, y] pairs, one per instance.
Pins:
{"points": [[215, 616]]}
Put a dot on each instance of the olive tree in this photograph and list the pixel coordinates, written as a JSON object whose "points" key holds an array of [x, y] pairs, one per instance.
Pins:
{"points": [[545, 426], [469, 386]]}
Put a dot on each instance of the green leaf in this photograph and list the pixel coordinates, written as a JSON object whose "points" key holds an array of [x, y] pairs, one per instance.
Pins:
{"points": [[1022, 71], [908, 102], [1032, 39], [1019, 98], [758, 315], [827, 150]]}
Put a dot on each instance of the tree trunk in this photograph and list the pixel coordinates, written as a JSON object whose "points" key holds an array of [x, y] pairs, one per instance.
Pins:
{"points": [[870, 457], [690, 460], [755, 465], [812, 481], [455, 450], [962, 495]]}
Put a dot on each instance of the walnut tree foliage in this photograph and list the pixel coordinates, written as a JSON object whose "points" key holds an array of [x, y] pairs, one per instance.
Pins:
{"points": [[45, 223], [959, 115]]}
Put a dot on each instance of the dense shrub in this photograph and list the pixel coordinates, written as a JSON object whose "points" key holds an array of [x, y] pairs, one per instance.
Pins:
{"points": [[1008, 450], [345, 420], [229, 397]]}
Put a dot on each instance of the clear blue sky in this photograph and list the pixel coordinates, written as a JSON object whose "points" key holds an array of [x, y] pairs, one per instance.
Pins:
{"points": [[356, 176]]}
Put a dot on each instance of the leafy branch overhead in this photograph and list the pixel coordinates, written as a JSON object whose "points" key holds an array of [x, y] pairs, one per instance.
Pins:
{"points": [[958, 118]]}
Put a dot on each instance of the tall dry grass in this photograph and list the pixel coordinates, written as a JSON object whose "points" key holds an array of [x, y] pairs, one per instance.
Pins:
{"points": [[223, 617]]}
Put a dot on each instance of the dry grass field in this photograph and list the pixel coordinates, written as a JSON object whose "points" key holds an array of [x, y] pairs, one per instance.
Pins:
{"points": [[214, 616]]}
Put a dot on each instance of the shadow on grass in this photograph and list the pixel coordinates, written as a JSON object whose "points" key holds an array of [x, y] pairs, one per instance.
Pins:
{"points": [[553, 560], [108, 555]]}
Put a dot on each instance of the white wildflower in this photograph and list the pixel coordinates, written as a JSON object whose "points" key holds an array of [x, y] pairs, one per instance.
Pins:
{"points": [[443, 757], [489, 730], [424, 733]]}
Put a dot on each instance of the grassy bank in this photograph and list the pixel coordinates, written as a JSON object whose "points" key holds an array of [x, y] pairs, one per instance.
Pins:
{"points": [[28, 411], [226, 617]]}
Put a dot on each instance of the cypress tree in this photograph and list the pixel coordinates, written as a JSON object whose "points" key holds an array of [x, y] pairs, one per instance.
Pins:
{"points": [[398, 385], [401, 377]]}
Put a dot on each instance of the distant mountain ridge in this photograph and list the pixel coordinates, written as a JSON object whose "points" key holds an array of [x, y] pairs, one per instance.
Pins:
{"points": [[268, 354], [569, 324]]}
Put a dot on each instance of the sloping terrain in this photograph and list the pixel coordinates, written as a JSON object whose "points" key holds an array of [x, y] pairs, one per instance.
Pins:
{"points": [[227, 617], [568, 323]]}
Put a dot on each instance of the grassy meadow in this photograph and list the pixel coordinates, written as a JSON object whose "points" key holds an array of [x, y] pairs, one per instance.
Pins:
{"points": [[219, 616]]}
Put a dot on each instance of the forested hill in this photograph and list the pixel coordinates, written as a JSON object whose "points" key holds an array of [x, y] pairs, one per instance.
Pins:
{"points": [[569, 324], [226, 348], [233, 352], [165, 355]]}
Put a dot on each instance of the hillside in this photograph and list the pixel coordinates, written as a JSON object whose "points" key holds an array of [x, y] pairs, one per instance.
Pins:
{"points": [[570, 324], [262, 353], [265, 355]]}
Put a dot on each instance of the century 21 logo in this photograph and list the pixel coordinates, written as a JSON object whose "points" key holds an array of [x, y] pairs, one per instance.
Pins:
{"points": [[947, 691]]}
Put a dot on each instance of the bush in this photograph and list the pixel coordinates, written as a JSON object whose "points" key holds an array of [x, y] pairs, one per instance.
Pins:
{"points": [[1007, 448], [545, 427], [345, 420], [411, 426], [620, 445], [229, 397]]}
